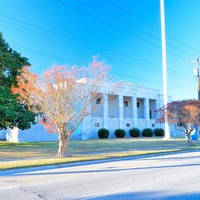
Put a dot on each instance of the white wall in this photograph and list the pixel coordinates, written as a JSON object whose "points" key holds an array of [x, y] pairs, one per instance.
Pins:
{"points": [[2, 134]]}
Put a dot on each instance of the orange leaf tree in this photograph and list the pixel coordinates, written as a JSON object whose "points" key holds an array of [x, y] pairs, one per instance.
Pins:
{"points": [[183, 114], [63, 94]]}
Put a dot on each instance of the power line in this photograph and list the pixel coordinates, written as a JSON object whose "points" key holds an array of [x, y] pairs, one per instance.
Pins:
{"points": [[139, 65], [130, 76], [118, 28], [130, 25], [50, 56], [135, 77], [54, 32], [104, 49], [63, 35], [143, 21]]}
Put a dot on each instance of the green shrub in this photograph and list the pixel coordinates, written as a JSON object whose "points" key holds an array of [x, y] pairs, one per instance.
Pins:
{"points": [[147, 132], [134, 132], [159, 132], [103, 133], [120, 133]]}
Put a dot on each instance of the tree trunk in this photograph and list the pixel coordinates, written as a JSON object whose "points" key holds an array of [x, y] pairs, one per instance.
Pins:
{"points": [[189, 139], [63, 144]]}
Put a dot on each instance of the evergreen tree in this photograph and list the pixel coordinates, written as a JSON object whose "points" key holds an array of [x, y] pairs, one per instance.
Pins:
{"points": [[12, 112]]}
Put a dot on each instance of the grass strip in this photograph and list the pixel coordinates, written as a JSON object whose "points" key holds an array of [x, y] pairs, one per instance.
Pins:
{"points": [[22, 155]]}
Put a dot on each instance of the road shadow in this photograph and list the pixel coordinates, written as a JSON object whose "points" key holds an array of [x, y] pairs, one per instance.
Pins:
{"points": [[44, 170], [153, 195]]}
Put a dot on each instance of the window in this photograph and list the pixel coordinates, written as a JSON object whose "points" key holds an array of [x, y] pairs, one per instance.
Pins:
{"points": [[150, 114], [96, 124], [125, 103], [127, 124], [153, 125], [180, 124], [138, 104], [98, 101], [44, 119]]}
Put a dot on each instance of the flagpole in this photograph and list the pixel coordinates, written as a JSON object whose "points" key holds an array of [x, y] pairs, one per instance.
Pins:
{"points": [[164, 66]]}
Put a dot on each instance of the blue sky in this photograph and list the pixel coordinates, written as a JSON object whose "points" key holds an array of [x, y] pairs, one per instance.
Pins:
{"points": [[124, 33]]}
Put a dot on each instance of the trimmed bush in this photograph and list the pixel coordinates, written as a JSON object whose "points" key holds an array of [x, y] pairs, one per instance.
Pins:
{"points": [[134, 132], [159, 132], [103, 133], [147, 132], [120, 133]]}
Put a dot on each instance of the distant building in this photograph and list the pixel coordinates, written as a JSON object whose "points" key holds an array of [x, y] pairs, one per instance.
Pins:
{"points": [[131, 106]]}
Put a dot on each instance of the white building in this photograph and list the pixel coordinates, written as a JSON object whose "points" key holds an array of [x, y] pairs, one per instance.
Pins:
{"points": [[131, 106]]}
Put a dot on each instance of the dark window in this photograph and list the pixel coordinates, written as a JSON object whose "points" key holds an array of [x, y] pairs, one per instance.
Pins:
{"points": [[150, 114], [98, 101], [138, 104], [128, 125], [180, 124], [96, 124], [126, 103]]}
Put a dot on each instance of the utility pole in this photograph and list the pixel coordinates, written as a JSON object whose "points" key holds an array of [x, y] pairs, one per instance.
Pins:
{"points": [[196, 74], [164, 64]]}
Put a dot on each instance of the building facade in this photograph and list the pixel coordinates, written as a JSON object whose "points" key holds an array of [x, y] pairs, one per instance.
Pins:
{"points": [[130, 107]]}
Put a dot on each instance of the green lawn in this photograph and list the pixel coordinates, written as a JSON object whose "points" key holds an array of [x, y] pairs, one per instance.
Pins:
{"points": [[15, 155]]}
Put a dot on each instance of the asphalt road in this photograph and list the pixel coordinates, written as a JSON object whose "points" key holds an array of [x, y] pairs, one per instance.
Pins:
{"points": [[173, 176]]}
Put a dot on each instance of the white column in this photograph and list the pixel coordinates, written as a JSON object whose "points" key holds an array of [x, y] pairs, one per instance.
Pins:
{"points": [[146, 111], [121, 111], [105, 110], [158, 105], [135, 117], [86, 125]]}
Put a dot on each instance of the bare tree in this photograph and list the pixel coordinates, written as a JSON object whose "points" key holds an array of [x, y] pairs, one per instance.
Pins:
{"points": [[184, 115], [64, 95]]}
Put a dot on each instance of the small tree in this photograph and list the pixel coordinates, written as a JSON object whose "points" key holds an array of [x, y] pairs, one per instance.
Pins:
{"points": [[184, 115], [64, 94]]}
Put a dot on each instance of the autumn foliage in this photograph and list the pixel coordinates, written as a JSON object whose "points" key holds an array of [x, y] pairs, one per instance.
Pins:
{"points": [[63, 95], [183, 114]]}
